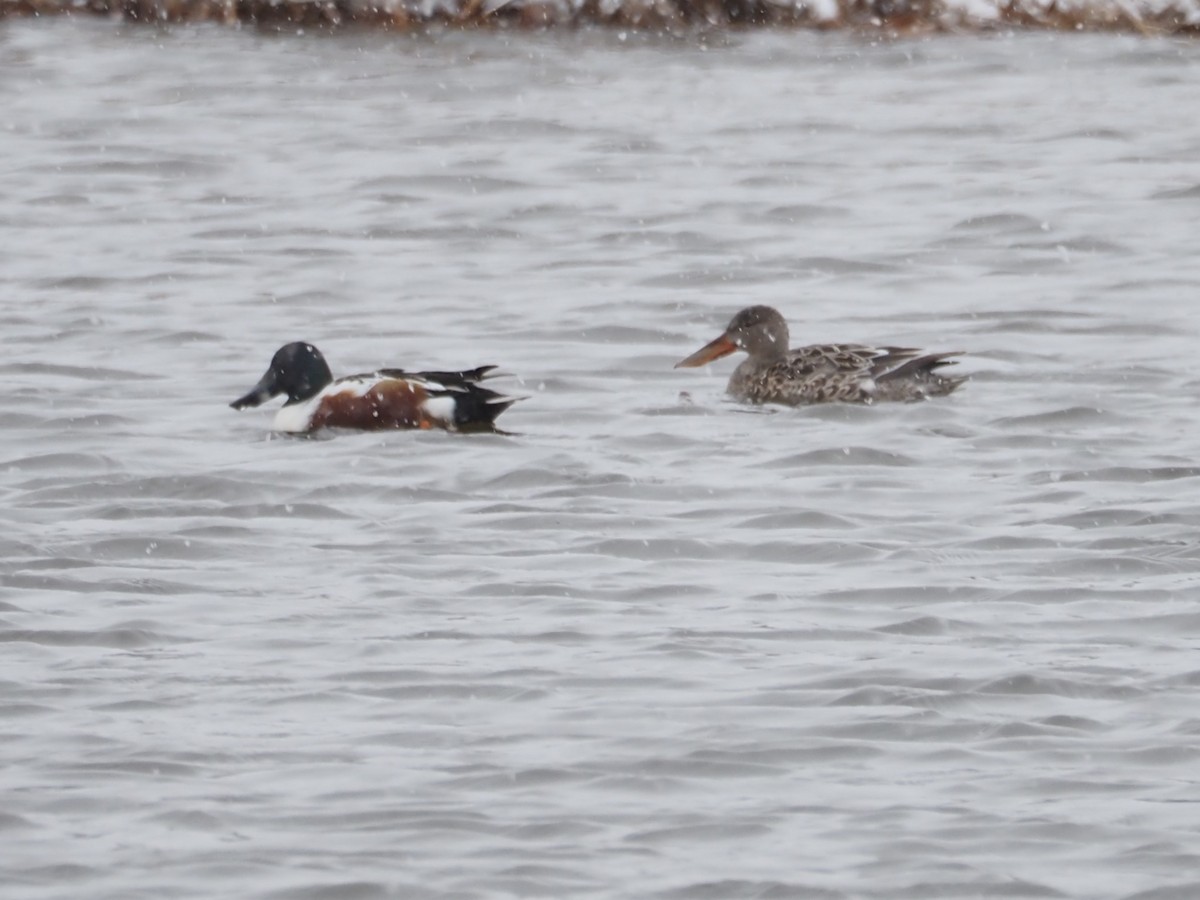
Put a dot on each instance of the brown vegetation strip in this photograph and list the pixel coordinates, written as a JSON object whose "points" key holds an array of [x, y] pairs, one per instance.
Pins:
{"points": [[895, 17]]}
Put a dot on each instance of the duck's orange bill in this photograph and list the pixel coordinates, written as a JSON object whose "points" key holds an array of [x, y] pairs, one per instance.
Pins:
{"points": [[722, 346]]}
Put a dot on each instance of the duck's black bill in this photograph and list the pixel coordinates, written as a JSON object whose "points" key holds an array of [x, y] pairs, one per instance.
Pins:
{"points": [[266, 388]]}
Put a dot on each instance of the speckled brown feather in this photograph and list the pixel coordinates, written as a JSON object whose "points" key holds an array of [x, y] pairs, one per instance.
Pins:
{"points": [[843, 373], [820, 373]]}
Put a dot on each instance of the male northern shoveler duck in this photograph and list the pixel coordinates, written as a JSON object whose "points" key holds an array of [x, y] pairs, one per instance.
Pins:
{"points": [[821, 373], [387, 398]]}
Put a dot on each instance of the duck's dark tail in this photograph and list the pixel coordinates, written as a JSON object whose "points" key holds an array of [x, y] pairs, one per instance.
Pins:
{"points": [[919, 378], [477, 408]]}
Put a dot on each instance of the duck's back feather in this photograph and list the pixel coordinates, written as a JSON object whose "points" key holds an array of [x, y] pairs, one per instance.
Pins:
{"points": [[463, 379], [843, 373]]}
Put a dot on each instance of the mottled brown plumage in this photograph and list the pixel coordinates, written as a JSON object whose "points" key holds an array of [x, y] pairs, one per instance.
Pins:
{"points": [[820, 373]]}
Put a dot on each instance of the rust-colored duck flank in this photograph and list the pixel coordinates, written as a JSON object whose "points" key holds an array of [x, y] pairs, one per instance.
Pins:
{"points": [[821, 373]]}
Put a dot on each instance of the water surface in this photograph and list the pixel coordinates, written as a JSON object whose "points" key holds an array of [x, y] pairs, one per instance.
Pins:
{"points": [[651, 643]]}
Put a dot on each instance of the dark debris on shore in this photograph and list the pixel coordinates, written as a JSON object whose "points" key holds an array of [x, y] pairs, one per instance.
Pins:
{"points": [[890, 17]]}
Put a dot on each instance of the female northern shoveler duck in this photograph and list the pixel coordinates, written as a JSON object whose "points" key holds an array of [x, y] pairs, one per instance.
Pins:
{"points": [[388, 398], [821, 373]]}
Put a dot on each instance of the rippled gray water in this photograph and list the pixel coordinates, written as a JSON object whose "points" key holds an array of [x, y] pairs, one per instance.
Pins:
{"points": [[653, 643]]}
